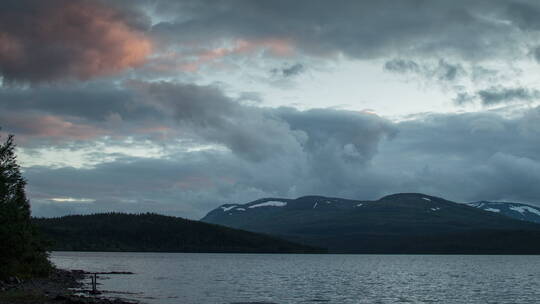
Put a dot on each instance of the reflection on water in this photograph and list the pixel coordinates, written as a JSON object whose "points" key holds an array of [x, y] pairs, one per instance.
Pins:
{"points": [[258, 278]]}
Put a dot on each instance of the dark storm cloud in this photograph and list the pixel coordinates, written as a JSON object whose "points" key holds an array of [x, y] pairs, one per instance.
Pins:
{"points": [[355, 134], [45, 41], [189, 111], [499, 95], [358, 29], [259, 133], [466, 157], [205, 112]]}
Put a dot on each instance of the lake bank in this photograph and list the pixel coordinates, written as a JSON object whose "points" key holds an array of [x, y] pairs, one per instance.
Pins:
{"points": [[61, 287]]}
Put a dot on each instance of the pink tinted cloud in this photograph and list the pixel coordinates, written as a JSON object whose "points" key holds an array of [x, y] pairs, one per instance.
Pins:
{"points": [[59, 39], [48, 127], [186, 62]]}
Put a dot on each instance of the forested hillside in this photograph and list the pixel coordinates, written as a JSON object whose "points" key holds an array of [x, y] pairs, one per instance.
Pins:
{"points": [[156, 233]]}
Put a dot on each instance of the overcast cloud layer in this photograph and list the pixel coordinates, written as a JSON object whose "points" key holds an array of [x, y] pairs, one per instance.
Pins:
{"points": [[177, 107]]}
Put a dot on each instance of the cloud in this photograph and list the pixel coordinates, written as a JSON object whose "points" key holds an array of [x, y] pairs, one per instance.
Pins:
{"points": [[94, 101], [52, 116], [201, 113], [523, 14], [461, 156], [496, 95], [288, 152], [189, 183], [441, 71], [399, 65], [457, 156], [192, 57], [357, 29], [253, 132], [289, 71], [49, 126], [253, 151], [47, 41], [536, 53], [155, 143], [350, 134]]}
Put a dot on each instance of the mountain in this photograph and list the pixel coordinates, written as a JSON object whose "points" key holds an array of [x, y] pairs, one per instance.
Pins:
{"points": [[518, 211], [399, 223], [156, 233]]}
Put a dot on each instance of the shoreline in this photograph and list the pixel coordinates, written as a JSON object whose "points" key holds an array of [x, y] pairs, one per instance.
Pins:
{"points": [[60, 287]]}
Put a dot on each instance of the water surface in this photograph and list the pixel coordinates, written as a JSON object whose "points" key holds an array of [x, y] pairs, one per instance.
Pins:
{"points": [[274, 278]]}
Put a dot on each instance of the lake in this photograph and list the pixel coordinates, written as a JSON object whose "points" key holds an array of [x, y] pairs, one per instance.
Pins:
{"points": [[191, 278]]}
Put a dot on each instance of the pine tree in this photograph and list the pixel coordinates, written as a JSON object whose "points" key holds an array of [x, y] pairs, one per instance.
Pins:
{"points": [[22, 252]]}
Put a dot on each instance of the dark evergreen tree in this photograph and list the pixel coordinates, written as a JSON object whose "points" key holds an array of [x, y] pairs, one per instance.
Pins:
{"points": [[21, 250]]}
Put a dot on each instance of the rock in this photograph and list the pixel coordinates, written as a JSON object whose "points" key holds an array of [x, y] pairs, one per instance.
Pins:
{"points": [[14, 280]]}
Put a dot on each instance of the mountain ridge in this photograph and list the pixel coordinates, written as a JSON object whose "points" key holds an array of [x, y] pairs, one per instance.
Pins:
{"points": [[378, 226]]}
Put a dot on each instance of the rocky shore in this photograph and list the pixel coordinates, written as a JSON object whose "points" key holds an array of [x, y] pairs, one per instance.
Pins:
{"points": [[61, 287]]}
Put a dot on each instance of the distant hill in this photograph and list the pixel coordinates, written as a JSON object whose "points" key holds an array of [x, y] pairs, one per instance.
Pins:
{"points": [[156, 233], [399, 223], [518, 211]]}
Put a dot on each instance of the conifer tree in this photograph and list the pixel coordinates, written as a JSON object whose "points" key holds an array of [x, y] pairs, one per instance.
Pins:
{"points": [[21, 250]]}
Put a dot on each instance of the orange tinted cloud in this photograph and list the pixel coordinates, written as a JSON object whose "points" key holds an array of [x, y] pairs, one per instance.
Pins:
{"points": [[61, 39]]}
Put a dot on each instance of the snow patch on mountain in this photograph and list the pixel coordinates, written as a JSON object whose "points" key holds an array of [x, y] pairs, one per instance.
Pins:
{"points": [[476, 205], [523, 209], [269, 204], [514, 210], [225, 209]]}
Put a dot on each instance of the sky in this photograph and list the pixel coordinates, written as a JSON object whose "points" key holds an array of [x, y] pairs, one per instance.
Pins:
{"points": [[177, 107]]}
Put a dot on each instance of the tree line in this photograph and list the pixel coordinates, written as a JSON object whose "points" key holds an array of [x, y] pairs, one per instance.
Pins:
{"points": [[150, 232], [22, 250]]}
